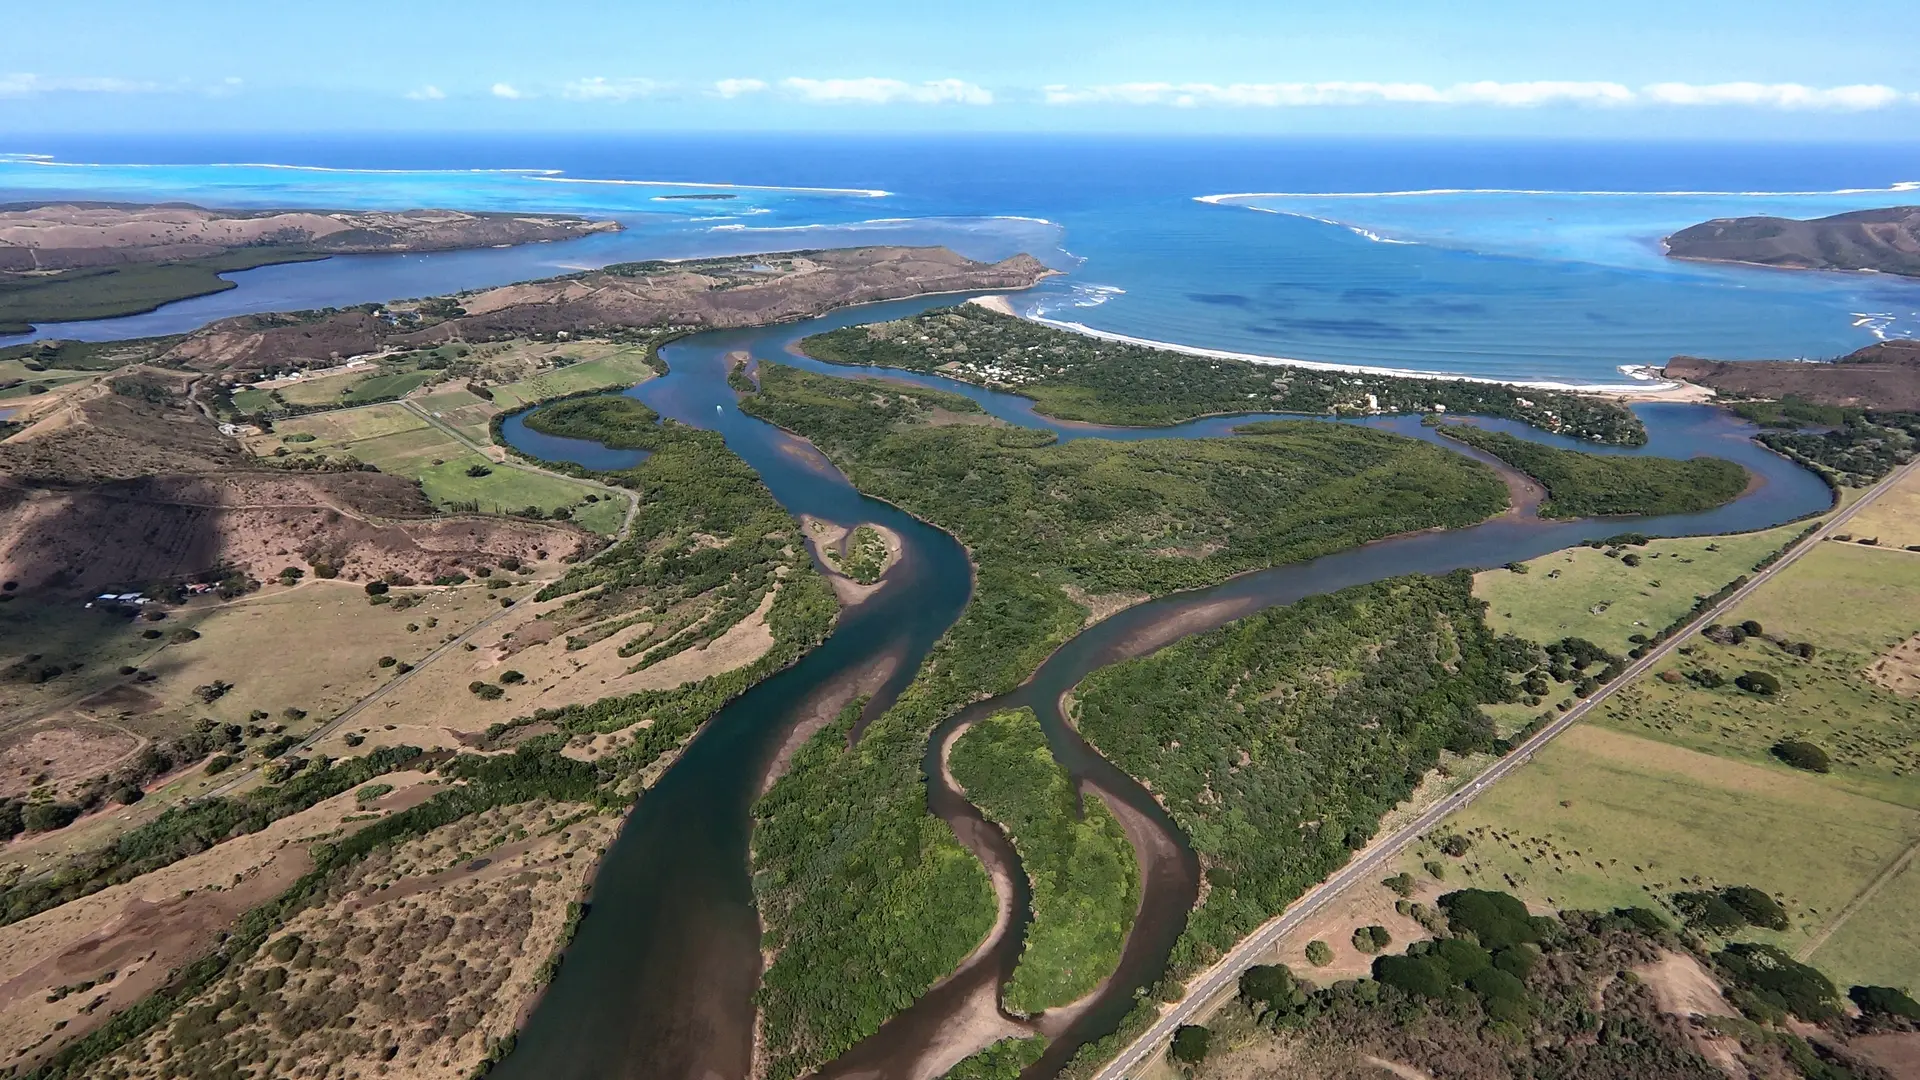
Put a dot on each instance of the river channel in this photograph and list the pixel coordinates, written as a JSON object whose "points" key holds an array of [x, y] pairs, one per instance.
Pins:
{"points": [[659, 980]]}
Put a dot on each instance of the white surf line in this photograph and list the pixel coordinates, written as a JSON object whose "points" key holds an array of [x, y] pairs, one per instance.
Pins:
{"points": [[1216, 200], [555, 177], [1355, 369]]}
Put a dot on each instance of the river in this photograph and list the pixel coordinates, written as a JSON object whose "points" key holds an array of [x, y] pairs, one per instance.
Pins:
{"points": [[659, 981]]}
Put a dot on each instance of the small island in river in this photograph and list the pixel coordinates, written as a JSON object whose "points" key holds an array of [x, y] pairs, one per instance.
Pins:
{"points": [[1885, 240]]}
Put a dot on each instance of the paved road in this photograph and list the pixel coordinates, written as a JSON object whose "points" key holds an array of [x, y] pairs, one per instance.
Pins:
{"points": [[1379, 855]]}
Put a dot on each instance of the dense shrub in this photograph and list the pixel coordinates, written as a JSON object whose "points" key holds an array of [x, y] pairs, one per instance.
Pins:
{"points": [[1498, 920], [1371, 939], [1770, 978], [1418, 975], [1756, 907], [1708, 912], [486, 691], [1885, 1001], [47, 816], [1802, 755], [1190, 1043], [1758, 682], [1319, 953]]}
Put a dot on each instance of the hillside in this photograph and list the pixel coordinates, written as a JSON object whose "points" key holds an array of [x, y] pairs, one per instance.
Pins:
{"points": [[1883, 376], [1885, 240], [707, 293]]}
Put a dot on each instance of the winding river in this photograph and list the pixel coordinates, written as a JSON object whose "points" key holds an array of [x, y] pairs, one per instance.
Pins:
{"points": [[659, 981]]}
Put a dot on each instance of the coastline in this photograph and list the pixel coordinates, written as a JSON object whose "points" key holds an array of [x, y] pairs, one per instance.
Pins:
{"points": [[1661, 390]]}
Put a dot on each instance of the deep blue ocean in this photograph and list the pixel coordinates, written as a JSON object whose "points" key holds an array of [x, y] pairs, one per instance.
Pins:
{"points": [[1523, 260]]}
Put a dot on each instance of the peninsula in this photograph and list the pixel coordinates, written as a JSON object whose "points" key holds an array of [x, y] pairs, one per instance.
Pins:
{"points": [[65, 261], [1886, 241]]}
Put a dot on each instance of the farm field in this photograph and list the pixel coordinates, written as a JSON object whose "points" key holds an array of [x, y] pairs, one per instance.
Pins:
{"points": [[1894, 518], [626, 368], [1584, 592], [1852, 605], [1659, 819], [1673, 786], [396, 440], [460, 410]]}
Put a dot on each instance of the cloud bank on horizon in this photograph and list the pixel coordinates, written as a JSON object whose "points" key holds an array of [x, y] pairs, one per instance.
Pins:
{"points": [[876, 90]]}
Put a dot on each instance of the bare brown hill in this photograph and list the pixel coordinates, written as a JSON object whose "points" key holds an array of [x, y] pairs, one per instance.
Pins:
{"points": [[169, 527], [66, 236], [1883, 376], [1885, 240], [742, 291], [129, 483]]}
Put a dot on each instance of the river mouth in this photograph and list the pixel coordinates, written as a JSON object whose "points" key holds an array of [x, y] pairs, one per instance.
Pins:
{"points": [[660, 978]]}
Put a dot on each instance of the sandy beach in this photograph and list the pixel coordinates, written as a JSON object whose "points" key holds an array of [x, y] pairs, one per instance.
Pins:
{"points": [[1650, 390]]}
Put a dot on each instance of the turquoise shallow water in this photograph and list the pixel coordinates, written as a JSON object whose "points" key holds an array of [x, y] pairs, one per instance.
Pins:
{"points": [[1512, 260]]}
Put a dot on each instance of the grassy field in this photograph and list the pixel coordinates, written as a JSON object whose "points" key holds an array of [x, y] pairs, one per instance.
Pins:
{"points": [[1852, 604], [1582, 592], [396, 440], [1880, 942], [1672, 786], [460, 410], [353, 387], [1894, 518], [1601, 819], [625, 368]]}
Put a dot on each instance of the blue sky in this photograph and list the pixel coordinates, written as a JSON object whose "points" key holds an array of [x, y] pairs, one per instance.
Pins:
{"points": [[1740, 68]]}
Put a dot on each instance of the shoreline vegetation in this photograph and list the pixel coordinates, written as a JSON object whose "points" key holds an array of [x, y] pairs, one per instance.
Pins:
{"points": [[1080, 865], [1038, 517], [1610, 485], [1080, 377]]}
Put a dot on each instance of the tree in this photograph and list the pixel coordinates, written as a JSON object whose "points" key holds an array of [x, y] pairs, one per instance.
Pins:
{"points": [[1371, 939], [1756, 907], [48, 816], [1190, 1043], [479, 470], [1455, 845], [1802, 755], [1402, 884], [376, 588], [1319, 953], [1885, 1001], [486, 691], [1753, 628], [1758, 682]]}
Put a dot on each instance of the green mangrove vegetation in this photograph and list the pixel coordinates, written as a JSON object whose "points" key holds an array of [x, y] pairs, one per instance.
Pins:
{"points": [[1580, 484], [1078, 377], [1279, 741], [107, 292], [1086, 886], [863, 925], [1155, 515]]}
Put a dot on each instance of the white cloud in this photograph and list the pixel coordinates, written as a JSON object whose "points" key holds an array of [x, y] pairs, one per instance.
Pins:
{"points": [[506, 90], [23, 84], [600, 88], [1777, 95], [872, 91], [1500, 94], [427, 93], [732, 88]]}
